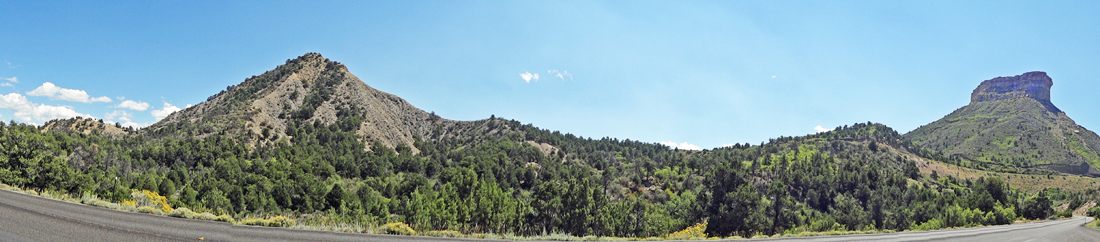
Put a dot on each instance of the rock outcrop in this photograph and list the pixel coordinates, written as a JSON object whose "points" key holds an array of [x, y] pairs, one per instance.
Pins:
{"points": [[1035, 85]]}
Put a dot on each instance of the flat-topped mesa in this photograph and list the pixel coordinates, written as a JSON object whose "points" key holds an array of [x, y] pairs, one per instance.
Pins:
{"points": [[1035, 85]]}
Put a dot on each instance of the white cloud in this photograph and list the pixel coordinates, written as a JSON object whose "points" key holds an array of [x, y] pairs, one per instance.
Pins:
{"points": [[162, 113], [188, 106], [560, 74], [773, 76], [133, 105], [124, 119], [527, 76], [30, 112], [127, 123], [682, 146], [58, 93], [117, 113], [819, 129], [10, 81]]}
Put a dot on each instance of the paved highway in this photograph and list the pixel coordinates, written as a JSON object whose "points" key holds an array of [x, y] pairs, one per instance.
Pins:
{"points": [[30, 218], [1067, 230]]}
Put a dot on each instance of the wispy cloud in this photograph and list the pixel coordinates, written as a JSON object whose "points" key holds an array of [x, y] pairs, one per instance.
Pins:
{"points": [[819, 129], [560, 74], [58, 93], [682, 146], [10, 82], [30, 112], [10, 65], [162, 113], [527, 76], [133, 105]]}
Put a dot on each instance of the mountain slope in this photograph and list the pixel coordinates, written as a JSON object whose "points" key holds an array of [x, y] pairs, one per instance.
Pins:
{"points": [[306, 90], [294, 141], [1010, 122], [85, 126]]}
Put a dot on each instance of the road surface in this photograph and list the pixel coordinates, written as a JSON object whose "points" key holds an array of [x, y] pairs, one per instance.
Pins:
{"points": [[1068, 230], [30, 218]]}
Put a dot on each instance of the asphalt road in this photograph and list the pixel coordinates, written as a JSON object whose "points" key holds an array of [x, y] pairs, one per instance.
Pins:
{"points": [[30, 218], [1057, 230]]}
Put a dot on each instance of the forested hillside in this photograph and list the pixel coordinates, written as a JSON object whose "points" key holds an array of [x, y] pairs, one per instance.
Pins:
{"points": [[495, 175], [848, 179]]}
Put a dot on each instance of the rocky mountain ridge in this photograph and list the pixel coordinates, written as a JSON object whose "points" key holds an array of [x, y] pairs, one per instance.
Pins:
{"points": [[308, 90], [1010, 123]]}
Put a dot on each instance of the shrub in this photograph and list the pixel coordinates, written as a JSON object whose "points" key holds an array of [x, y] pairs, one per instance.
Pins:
{"points": [[150, 210], [254, 221], [207, 216], [277, 221], [183, 213], [224, 218], [150, 198], [932, 224], [443, 233], [693, 232], [398, 228], [1065, 214], [92, 199], [280, 221]]}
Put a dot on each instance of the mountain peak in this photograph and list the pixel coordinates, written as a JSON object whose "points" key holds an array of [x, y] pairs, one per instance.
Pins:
{"points": [[1010, 124], [309, 90], [307, 58], [314, 60], [1035, 85]]}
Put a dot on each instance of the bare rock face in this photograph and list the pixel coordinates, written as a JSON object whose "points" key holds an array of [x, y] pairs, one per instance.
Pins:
{"points": [[1034, 85]]}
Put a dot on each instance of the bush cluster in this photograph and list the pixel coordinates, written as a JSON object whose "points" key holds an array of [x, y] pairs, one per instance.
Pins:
{"points": [[693, 232], [398, 228], [277, 221]]}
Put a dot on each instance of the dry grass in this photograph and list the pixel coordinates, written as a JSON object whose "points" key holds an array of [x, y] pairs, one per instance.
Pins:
{"points": [[277, 221], [1024, 182]]}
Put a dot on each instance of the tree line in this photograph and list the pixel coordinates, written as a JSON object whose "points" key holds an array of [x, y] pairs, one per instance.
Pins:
{"points": [[847, 179]]}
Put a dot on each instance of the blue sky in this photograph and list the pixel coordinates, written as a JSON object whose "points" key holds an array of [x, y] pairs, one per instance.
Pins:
{"points": [[704, 73]]}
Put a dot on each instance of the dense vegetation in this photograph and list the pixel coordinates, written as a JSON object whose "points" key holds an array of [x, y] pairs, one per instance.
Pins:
{"points": [[1019, 135], [852, 178]]}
